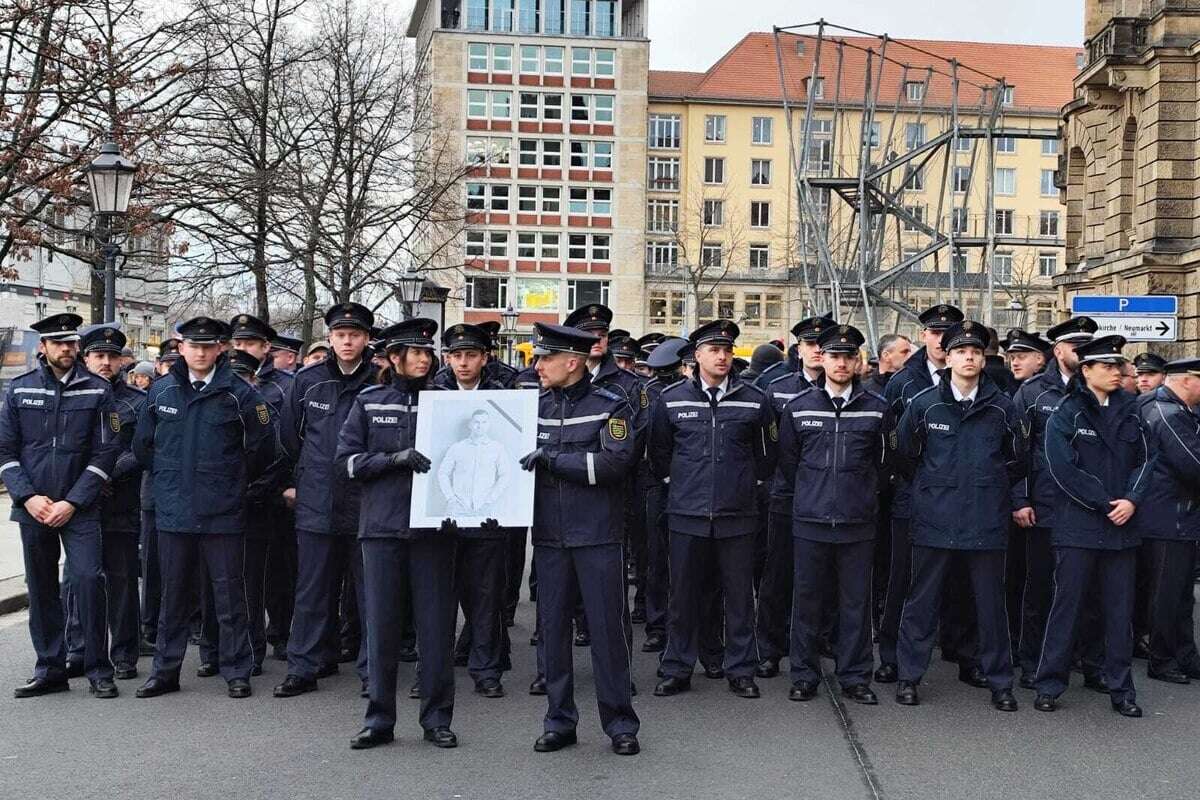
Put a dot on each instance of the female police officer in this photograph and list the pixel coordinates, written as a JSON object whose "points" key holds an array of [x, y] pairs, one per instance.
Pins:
{"points": [[376, 448]]}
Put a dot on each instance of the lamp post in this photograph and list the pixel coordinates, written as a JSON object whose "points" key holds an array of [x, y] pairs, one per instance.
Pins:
{"points": [[110, 180], [508, 326], [409, 288]]}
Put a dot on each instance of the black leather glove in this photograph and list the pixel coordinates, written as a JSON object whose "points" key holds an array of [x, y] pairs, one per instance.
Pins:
{"points": [[410, 459], [490, 525], [449, 526], [531, 461]]}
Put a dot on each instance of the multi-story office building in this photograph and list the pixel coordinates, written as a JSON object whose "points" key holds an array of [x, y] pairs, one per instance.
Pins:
{"points": [[547, 98], [721, 217]]}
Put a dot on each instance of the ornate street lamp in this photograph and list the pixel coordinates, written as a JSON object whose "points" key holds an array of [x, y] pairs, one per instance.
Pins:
{"points": [[409, 287], [508, 327], [110, 180]]}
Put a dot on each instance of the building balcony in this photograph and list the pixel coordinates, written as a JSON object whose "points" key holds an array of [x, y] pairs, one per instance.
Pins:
{"points": [[594, 18], [1121, 41]]}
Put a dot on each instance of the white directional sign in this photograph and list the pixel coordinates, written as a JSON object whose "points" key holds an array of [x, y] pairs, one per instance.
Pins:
{"points": [[1139, 329]]}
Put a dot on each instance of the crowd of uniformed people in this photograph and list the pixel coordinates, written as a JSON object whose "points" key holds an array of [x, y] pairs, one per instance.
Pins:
{"points": [[1029, 515]]}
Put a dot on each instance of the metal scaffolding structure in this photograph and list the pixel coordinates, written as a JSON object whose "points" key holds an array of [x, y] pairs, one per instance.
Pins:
{"points": [[848, 268]]}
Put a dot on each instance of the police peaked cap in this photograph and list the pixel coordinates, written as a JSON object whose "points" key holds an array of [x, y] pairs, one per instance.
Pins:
{"points": [[1076, 329], [1018, 341], [203, 330], [464, 336], [1149, 362], [1184, 366], [592, 317], [492, 328], [967, 333], [1106, 349], [102, 338], [349, 315], [809, 329], [719, 331], [549, 339], [410, 333], [841, 339], [288, 344], [247, 326], [669, 353], [941, 317], [59, 327], [623, 347]]}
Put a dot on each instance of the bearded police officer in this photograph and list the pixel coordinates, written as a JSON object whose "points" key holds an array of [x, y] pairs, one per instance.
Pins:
{"points": [[58, 446], [714, 438], [964, 447], [586, 451], [204, 435], [1098, 455]]}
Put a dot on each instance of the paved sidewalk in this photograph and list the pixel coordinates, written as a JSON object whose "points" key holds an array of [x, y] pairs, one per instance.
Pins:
{"points": [[12, 566]]}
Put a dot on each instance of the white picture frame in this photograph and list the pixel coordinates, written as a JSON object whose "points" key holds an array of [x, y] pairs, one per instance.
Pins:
{"points": [[475, 440]]}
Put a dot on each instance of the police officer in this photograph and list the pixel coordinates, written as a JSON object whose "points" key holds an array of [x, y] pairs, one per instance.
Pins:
{"points": [[151, 574], [625, 352], [1169, 520], [204, 435], [586, 450], [495, 369], [285, 352], [1026, 354], [920, 371], [401, 565], [1036, 497], [326, 499], [964, 448], [58, 446], [775, 589], [646, 344], [518, 538], [1097, 453], [714, 437], [1151, 371], [481, 553]]}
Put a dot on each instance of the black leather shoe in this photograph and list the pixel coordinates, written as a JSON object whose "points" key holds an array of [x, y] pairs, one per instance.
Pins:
{"points": [[625, 744], [124, 672], [279, 652], [534, 639], [583, 639], [860, 693], [906, 694], [538, 687], [348, 655], [1003, 700], [327, 671], [239, 688], [767, 668], [365, 691], [368, 738], [294, 686], [1127, 708], [802, 691], [36, 687], [1192, 672], [74, 669], [104, 689], [714, 673], [414, 692], [461, 659], [886, 673], [441, 737], [489, 687], [256, 670], [973, 676], [744, 687], [1026, 680], [153, 687], [1096, 683], [655, 643], [206, 669], [551, 741], [670, 686], [1167, 675], [1141, 648], [1044, 702], [408, 655]]}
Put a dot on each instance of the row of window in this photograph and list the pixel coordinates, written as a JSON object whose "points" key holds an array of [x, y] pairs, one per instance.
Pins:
{"points": [[666, 307], [496, 105], [663, 256], [662, 216], [541, 246], [581, 200], [1004, 218], [548, 153], [665, 131], [586, 62], [1002, 264], [550, 17], [532, 294]]}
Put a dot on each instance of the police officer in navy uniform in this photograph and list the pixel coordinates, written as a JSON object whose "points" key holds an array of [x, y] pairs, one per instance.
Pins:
{"points": [[326, 500], [1169, 520], [495, 369], [775, 589], [204, 435], [625, 352], [964, 447], [481, 553], [401, 565], [285, 353], [59, 443], [714, 438], [518, 538], [586, 451], [832, 450], [151, 574], [921, 371], [1098, 454], [1151, 370], [1036, 497]]}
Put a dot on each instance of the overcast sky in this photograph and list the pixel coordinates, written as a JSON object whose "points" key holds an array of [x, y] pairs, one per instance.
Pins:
{"points": [[692, 34]]}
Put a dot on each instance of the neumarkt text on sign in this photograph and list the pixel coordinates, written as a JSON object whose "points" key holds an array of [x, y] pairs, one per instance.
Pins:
{"points": [[1139, 329]]}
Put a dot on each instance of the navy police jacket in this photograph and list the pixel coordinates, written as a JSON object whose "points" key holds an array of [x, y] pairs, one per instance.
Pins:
{"points": [[58, 439], [1036, 399], [527, 379], [264, 494], [316, 407], [1171, 509], [120, 505], [1097, 455], [834, 459], [203, 449], [962, 464], [912, 379], [588, 434], [273, 384], [713, 458], [780, 392], [382, 421]]}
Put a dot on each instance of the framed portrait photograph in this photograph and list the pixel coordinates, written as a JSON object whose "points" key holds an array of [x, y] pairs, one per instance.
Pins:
{"points": [[475, 440]]}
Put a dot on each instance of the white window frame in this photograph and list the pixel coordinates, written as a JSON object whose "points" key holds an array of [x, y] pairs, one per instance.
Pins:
{"points": [[660, 169], [1008, 186], [758, 253], [760, 172], [1047, 187], [715, 176], [1045, 259], [664, 128], [914, 91], [760, 126], [758, 210], [712, 213], [714, 128]]}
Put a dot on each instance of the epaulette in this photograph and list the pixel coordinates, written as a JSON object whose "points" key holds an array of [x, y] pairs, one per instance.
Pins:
{"points": [[673, 385], [370, 388], [607, 395], [773, 381]]}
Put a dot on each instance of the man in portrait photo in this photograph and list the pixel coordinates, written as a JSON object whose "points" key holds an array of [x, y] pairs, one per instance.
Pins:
{"points": [[475, 471]]}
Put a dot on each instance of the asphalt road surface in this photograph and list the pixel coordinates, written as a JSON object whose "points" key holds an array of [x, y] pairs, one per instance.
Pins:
{"points": [[707, 744]]}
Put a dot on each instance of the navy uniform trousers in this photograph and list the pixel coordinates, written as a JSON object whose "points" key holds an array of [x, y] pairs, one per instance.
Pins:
{"points": [[1035, 598], [931, 569], [1171, 605], [42, 546], [281, 577], [1114, 573], [517, 538], [899, 577], [183, 556], [151, 576], [814, 563], [120, 563], [775, 592], [596, 575], [694, 559], [254, 571], [399, 574], [480, 571], [322, 561], [658, 575]]}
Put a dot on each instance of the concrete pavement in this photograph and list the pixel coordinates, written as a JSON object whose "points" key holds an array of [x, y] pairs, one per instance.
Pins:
{"points": [[12, 565]]}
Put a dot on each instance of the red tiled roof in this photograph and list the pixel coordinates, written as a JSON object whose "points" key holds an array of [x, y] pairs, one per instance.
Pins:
{"points": [[1042, 75]]}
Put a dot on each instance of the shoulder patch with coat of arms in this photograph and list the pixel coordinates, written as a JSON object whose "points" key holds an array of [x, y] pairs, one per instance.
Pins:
{"points": [[617, 429], [773, 431], [264, 416], [645, 399]]}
